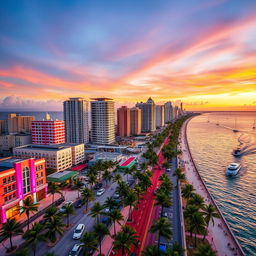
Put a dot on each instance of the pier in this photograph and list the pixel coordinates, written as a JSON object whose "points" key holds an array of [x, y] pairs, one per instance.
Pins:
{"points": [[220, 236]]}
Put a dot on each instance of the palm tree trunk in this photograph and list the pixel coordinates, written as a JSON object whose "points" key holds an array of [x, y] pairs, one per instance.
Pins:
{"points": [[87, 205], [11, 241], [34, 250], [100, 245], [130, 213], [98, 219], [52, 198], [67, 220], [114, 227], [122, 251], [195, 239]]}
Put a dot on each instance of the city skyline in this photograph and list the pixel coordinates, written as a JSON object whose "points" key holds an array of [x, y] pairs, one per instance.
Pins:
{"points": [[201, 52]]}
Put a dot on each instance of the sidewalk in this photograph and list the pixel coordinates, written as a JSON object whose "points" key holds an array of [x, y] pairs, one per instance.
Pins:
{"points": [[219, 235]]}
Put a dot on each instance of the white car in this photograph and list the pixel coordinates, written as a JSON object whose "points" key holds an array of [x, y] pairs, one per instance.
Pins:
{"points": [[75, 251], [62, 209], [78, 231], [168, 169], [100, 191]]}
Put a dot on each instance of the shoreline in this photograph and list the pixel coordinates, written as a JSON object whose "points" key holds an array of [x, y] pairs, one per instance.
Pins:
{"points": [[209, 197]]}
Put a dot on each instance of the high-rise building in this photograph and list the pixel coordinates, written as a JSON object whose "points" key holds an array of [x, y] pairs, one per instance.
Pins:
{"points": [[48, 131], [123, 121], [103, 121], [168, 112], [20, 179], [135, 121], [159, 115], [175, 112], [76, 120], [17, 123], [148, 115]]}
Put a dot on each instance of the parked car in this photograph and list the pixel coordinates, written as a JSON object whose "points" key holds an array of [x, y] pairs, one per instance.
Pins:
{"points": [[165, 215], [76, 250], [116, 195], [100, 191], [78, 231], [98, 186], [62, 208], [79, 203]]}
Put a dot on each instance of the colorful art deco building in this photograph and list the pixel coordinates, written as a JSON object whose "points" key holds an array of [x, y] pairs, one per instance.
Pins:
{"points": [[20, 179]]}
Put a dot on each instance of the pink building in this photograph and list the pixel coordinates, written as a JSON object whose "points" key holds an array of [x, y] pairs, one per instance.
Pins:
{"points": [[123, 121], [20, 179], [48, 132]]}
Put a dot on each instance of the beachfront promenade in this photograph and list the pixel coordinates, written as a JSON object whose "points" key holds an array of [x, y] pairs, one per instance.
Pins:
{"points": [[220, 235]]}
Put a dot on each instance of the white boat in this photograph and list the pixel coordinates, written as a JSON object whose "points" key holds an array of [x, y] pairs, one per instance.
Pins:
{"points": [[233, 169]]}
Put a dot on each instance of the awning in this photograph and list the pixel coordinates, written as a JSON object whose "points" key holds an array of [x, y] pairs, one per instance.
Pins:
{"points": [[60, 177]]}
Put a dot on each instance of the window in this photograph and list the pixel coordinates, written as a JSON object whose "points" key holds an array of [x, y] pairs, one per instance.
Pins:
{"points": [[5, 190], [4, 180], [13, 178], [5, 199], [26, 180]]}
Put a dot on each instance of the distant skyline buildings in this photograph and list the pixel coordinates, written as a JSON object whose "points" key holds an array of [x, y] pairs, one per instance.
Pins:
{"points": [[76, 117], [159, 115], [148, 115], [123, 122], [135, 119], [102, 121], [168, 112]]}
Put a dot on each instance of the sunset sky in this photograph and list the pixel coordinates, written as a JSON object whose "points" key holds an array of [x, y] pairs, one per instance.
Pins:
{"points": [[201, 52]]}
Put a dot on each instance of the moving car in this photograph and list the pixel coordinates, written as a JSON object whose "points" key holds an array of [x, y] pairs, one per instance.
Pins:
{"points": [[100, 191], [168, 169], [98, 186], [62, 209], [75, 251], [78, 231], [116, 195]]}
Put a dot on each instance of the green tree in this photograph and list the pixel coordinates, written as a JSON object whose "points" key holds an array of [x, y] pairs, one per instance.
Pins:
{"points": [[197, 224], [68, 210], [197, 200], [118, 178], [107, 176], [96, 211], [205, 250], [89, 242], [175, 250], [10, 229], [34, 235], [110, 203], [162, 226], [163, 199], [151, 250], [87, 196], [50, 254], [100, 231], [187, 191], [188, 214], [124, 240], [130, 200], [28, 207], [78, 185], [53, 189], [115, 216], [209, 212], [92, 179], [51, 213], [22, 252], [54, 226], [179, 174]]}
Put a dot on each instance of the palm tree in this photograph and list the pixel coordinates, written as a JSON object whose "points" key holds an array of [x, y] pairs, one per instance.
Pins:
{"points": [[175, 250], [130, 200], [151, 250], [107, 176], [128, 171], [124, 240], [68, 210], [89, 242], [163, 199], [53, 189], [50, 213], [87, 196], [188, 214], [115, 216], [197, 224], [110, 203], [10, 229], [122, 188], [209, 213], [54, 227], [162, 226], [28, 207], [205, 250], [92, 179], [22, 252], [139, 191], [100, 231], [117, 178], [187, 191], [78, 184], [96, 211], [197, 200], [34, 235], [50, 254], [180, 175]]}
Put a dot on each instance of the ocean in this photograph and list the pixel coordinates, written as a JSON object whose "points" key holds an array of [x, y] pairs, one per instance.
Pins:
{"points": [[212, 139]]}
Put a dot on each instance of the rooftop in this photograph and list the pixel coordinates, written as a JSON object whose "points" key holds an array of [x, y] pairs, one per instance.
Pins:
{"points": [[101, 99], [7, 163], [60, 176]]}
